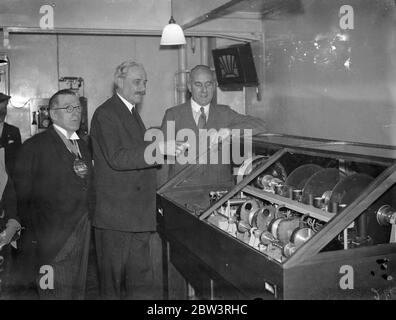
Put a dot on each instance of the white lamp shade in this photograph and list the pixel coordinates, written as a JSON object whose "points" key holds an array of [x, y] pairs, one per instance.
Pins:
{"points": [[172, 35]]}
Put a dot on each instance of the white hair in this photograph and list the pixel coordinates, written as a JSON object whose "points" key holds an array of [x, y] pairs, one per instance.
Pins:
{"points": [[122, 70]]}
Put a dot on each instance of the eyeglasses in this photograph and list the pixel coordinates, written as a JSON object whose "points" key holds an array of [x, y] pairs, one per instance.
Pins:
{"points": [[69, 108]]}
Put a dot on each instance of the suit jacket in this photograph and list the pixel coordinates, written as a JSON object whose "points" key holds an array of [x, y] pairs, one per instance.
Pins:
{"points": [[125, 183], [51, 197], [220, 116], [11, 141], [8, 205]]}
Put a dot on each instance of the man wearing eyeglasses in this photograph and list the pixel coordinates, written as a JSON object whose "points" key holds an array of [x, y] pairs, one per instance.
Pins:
{"points": [[53, 184]]}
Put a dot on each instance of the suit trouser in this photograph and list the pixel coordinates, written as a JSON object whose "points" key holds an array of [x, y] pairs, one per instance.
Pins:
{"points": [[69, 267], [126, 264]]}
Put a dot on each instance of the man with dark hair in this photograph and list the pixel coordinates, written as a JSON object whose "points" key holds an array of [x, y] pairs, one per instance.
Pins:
{"points": [[124, 219], [201, 113], [10, 137], [53, 184]]}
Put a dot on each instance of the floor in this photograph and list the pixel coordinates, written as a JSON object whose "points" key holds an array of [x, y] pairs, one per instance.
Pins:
{"points": [[92, 285], [29, 293]]}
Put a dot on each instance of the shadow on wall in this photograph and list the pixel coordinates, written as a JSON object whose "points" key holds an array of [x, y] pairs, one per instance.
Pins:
{"points": [[391, 126], [324, 81]]}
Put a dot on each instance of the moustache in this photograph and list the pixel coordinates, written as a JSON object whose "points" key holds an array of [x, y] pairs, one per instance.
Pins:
{"points": [[141, 93]]}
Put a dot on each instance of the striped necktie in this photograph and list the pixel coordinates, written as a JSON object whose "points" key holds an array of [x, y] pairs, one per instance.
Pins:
{"points": [[202, 119], [74, 147]]}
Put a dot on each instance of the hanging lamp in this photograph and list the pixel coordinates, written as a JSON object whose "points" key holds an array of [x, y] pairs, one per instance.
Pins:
{"points": [[172, 34]]}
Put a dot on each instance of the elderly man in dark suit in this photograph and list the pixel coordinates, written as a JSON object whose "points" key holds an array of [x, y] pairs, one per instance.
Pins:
{"points": [[124, 219], [201, 113], [10, 137], [53, 185]]}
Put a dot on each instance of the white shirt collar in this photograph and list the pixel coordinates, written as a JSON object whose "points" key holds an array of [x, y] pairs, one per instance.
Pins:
{"points": [[197, 108], [73, 136], [126, 102]]}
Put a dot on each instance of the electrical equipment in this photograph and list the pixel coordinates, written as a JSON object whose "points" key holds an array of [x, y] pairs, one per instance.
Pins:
{"points": [[235, 67], [39, 114], [306, 218]]}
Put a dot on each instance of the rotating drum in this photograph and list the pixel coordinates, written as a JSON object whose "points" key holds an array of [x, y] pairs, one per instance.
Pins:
{"points": [[301, 235], [245, 212], [282, 229], [321, 182], [277, 170], [248, 166], [299, 176], [349, 188], [263, 217]]}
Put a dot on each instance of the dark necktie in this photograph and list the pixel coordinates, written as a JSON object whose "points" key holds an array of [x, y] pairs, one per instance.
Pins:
{"points": [[202, 119], [74, 147], [138, 118]]}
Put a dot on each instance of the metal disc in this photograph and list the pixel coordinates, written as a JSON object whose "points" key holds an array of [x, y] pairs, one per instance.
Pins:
{"points": [[378, 232], [350, 188], [299, 176], [248, 166], [277, 170], [264, 215], [320, 182]]}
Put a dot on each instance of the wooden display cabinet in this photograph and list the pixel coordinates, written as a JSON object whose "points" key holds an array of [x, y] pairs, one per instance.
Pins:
{"points": [[313, 219]]}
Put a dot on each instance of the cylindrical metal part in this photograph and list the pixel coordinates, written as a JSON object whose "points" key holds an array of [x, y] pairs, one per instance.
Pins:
{"points": [[247, 210], [266, 238], [318, 202], [236, 201], [264, 216], [264, 181], [297, 195], [341, 207], [384, 214], [290, 195], [362, 225], [310, 199], [289, 249], [333, 207], [301, 235], [326, 198], [282, 229]]}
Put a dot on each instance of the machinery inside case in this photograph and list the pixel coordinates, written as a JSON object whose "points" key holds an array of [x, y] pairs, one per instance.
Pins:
{"points": [[305, 212], [277, 211]]}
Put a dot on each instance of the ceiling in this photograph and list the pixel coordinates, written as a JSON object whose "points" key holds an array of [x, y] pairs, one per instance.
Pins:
{"points": [[266, 7]]}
